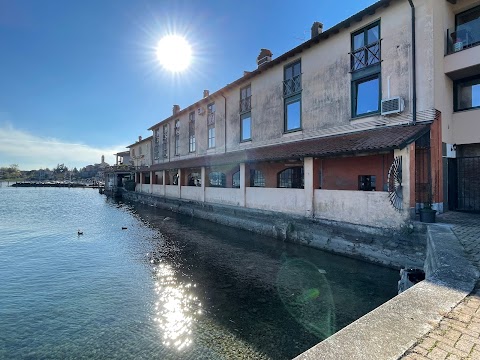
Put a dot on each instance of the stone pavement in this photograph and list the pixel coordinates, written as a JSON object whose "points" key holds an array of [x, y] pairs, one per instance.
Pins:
{"points": [[458, 334]]}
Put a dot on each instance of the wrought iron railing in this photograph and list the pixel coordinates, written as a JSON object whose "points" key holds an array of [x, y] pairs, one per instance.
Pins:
{"points": [[211, 118], [122, 167], [165, 149], [366, 56], [292, 85], [246, 104]]}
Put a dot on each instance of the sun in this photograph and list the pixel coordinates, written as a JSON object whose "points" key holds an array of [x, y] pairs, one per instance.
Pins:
{"points": [[174, 53]]}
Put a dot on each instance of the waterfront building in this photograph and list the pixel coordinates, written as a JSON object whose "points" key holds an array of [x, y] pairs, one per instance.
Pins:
{"points": [[141, 159], [123, 170], [365, 123]]}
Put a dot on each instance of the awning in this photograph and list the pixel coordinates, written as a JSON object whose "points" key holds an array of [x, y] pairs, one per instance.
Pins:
{"points": [[369, 141]]}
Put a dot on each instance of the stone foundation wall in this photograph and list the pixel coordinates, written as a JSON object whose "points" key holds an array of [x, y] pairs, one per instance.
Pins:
{"points": [[391, 248]]}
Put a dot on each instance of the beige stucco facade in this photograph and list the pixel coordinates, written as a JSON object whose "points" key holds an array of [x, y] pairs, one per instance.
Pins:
{"points": [[326, 98], [326, 89], [141, 153]]}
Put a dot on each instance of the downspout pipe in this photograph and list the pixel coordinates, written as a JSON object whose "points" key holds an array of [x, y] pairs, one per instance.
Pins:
{"points": [[414, 66], [225, 127]]}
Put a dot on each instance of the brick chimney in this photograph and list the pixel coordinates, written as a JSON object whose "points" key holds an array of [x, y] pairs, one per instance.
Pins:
{"points": [[206, 93], [139, 138], [317, 28], [176, 109], [264, 57]]}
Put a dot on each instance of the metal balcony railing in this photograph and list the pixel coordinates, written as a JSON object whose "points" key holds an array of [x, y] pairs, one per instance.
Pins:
{"points": [[463, 36], [246, 104], [292, 86], [211, 118], [366, 56]]}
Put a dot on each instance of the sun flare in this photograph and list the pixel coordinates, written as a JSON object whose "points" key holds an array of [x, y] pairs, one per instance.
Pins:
{"points": [[174, 53]]}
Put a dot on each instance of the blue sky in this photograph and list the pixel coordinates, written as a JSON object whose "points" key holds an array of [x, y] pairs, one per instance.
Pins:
{"points": [[80, 78]]}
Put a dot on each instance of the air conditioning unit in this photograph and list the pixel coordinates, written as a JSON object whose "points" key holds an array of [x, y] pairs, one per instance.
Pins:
{"points": [[393, 105], [201, 111]]}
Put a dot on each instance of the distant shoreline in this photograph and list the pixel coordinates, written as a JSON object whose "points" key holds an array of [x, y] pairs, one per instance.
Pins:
{"points": [[56, 184]]}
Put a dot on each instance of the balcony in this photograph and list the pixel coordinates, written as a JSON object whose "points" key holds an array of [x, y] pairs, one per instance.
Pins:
{"points": [[463, 52], [463, 37]]}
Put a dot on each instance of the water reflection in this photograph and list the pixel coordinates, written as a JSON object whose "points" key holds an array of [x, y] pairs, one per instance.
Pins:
{"points": [[177, 308], [305, 293]]}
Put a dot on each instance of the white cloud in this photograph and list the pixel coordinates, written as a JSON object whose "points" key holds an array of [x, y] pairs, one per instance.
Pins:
{"points": [[34, 152]]}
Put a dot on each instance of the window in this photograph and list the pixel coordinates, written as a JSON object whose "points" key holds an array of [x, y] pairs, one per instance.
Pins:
{"points": [[177, 137], [366, 69], [191, 132], [133, 152], [246, 127], [245, 99], [165, 141], [366, 47], [211, 125], [467, 93], [292, 81], [156, 147], [367, 182], [292, 87], [140, 150], [256, 178], [194, 179], [236, 180], [291, 178], [366, 96], [217, 179], [292, 114]]}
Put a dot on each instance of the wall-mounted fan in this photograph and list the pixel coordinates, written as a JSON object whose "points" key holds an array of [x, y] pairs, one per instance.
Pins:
{"points": [[395, 189]]}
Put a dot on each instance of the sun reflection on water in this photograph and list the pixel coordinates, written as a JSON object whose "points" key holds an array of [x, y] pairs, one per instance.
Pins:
{"points": [[177, 308]]}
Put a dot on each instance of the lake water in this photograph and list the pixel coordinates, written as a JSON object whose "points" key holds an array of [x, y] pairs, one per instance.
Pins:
{"points": [[166, 287]]}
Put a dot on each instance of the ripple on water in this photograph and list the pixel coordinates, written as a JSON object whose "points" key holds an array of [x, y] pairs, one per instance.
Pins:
{"points": [[203, 291]]}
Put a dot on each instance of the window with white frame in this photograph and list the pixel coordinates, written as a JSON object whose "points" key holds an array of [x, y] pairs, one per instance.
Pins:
{"points": [[191, 132], [165, 141], [177, 137], [156, 147], [211, 125]]}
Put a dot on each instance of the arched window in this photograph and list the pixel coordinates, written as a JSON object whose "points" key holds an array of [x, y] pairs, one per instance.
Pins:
{"points": [[217, 179], [291, 178], [236, 180], [256, 178]]}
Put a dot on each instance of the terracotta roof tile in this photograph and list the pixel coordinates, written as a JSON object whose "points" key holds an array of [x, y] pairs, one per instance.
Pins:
{"points": [[380, 139]]}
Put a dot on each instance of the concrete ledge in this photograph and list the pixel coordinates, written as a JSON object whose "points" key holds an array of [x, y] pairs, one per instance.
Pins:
{"points": [[390, 330]]}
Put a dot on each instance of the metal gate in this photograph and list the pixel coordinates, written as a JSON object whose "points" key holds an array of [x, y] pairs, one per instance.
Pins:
{"points": [[423, 177], [467, 184]]}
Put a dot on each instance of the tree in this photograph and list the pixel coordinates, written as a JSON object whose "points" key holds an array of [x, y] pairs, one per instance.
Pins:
{"points": [[11, 172], [60, 169]]}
